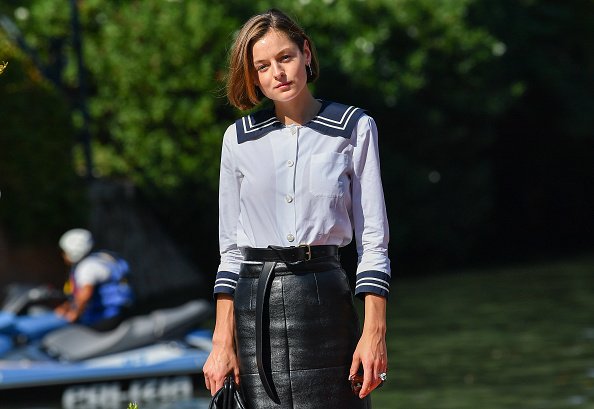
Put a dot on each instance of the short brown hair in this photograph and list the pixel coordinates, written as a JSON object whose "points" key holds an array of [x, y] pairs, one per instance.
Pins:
{"points": [[241, 90]]}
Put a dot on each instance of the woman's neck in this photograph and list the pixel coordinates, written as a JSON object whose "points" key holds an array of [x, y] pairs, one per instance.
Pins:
{"points": [[299, 110]]}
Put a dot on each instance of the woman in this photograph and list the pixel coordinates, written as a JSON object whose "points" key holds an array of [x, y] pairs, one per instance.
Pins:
{"points": [[295, 181]]}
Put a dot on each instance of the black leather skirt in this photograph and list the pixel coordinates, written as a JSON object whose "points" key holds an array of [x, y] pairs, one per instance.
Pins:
{"points": [[309, 333]]}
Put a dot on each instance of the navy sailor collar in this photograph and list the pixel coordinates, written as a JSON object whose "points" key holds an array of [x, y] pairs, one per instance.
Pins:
{"points": [[333, 119]]}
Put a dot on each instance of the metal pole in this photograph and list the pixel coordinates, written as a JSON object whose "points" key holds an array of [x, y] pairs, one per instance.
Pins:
{"points": [[85, 136]]}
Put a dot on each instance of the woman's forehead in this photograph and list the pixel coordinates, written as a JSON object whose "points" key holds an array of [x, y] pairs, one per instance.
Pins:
{"points": [[272, 42]]}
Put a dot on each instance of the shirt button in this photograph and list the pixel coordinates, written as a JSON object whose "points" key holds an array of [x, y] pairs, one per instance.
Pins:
{"points": [[293, 130], [290, 237], [290, 163], [289, 198]]}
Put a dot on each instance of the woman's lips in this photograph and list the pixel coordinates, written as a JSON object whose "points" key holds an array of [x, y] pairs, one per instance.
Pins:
{"points": [[283, 84]]}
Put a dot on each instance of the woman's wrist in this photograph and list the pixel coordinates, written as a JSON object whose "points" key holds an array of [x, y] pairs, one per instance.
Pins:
{"points": [[375, 314], [223, 335]]}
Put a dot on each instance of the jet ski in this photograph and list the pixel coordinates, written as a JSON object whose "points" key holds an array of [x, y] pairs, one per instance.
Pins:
{"points": [[148, 358]]}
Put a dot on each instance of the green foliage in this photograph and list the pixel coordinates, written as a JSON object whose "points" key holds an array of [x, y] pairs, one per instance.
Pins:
{"points": [[155, 69], [40, 193], [445, 80]]}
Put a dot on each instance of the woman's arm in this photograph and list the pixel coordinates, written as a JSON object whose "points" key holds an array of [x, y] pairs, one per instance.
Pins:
{"points": [[370, 219], [371, 351], [223, 358], [229, 198], [373, 271]]}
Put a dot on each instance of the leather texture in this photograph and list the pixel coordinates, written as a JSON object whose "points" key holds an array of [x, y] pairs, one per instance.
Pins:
{"points": [[309, 332]]}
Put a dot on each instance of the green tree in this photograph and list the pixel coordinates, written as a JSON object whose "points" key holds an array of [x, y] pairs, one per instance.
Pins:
{"points": [[39, 192], [445, 80], [158, 114]]}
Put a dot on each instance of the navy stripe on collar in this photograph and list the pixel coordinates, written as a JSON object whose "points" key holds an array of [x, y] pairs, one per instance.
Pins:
{"points": [[334, 119]]}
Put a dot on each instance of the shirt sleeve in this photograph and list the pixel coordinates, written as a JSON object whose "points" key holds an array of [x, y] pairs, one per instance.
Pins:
{"points": [[91, 272], [369, 213], [229, 186]]}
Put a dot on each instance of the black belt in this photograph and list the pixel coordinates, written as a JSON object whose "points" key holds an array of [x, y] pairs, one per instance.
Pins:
{"points": [[270, 256], [298, 254]]}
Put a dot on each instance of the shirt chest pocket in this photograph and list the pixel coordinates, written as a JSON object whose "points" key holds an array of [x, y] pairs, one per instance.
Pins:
{"points": [[327, 174]]}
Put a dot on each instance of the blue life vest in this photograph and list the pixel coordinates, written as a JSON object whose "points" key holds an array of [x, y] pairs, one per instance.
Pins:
{"points": [[110, 297]]}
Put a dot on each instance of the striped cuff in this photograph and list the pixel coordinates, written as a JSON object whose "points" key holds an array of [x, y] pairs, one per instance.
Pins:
{"points": [[225, 283], [371, 281]]}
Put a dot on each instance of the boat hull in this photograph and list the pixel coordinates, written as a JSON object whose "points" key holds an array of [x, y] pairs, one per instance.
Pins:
{"points": [[163, 372]]}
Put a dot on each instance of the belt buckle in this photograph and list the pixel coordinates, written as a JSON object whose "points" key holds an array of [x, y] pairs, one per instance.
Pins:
{"points": [[307, 251]]}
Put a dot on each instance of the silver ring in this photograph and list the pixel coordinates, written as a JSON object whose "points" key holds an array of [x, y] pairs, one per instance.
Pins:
{"points": [[383, 376]]}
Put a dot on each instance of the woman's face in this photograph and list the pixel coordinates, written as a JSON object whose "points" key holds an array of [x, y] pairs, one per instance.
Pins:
{"points": [[280, 66]]}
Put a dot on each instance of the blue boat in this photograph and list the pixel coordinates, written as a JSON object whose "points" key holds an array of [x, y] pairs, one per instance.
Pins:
{"points": [[147, 358]]}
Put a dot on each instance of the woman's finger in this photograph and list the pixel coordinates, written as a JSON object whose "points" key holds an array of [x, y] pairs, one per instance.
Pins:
{"points": [[219, 385], [379, 367], [367, 379], [236, 375], [355, 365]]}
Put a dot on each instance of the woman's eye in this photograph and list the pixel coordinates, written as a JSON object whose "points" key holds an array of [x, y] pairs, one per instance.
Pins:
{"points": [[261, 68], [285, 57]]}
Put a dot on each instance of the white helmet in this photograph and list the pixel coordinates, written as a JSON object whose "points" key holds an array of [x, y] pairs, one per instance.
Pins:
{"points": [[76, 244]]}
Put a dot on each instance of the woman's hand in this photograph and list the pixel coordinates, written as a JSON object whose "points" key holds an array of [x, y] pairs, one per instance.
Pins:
{"points": [[222, 360], [371, 351]]}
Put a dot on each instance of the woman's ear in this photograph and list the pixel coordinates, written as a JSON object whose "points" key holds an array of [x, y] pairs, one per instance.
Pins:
{"points": [[307, 52]]}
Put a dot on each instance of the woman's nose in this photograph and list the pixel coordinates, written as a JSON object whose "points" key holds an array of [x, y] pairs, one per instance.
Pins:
{"points": [[277, 71]]}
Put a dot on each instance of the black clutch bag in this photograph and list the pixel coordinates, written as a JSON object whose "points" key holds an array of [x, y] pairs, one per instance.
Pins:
{"points": [[228, 397]]}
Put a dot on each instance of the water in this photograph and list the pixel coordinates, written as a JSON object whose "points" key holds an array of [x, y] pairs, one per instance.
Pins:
{"points": [[513, 337], [520, 337]]}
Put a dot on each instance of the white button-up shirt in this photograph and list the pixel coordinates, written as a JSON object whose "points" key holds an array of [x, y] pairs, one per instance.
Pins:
{"points": [[312, 184]]}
